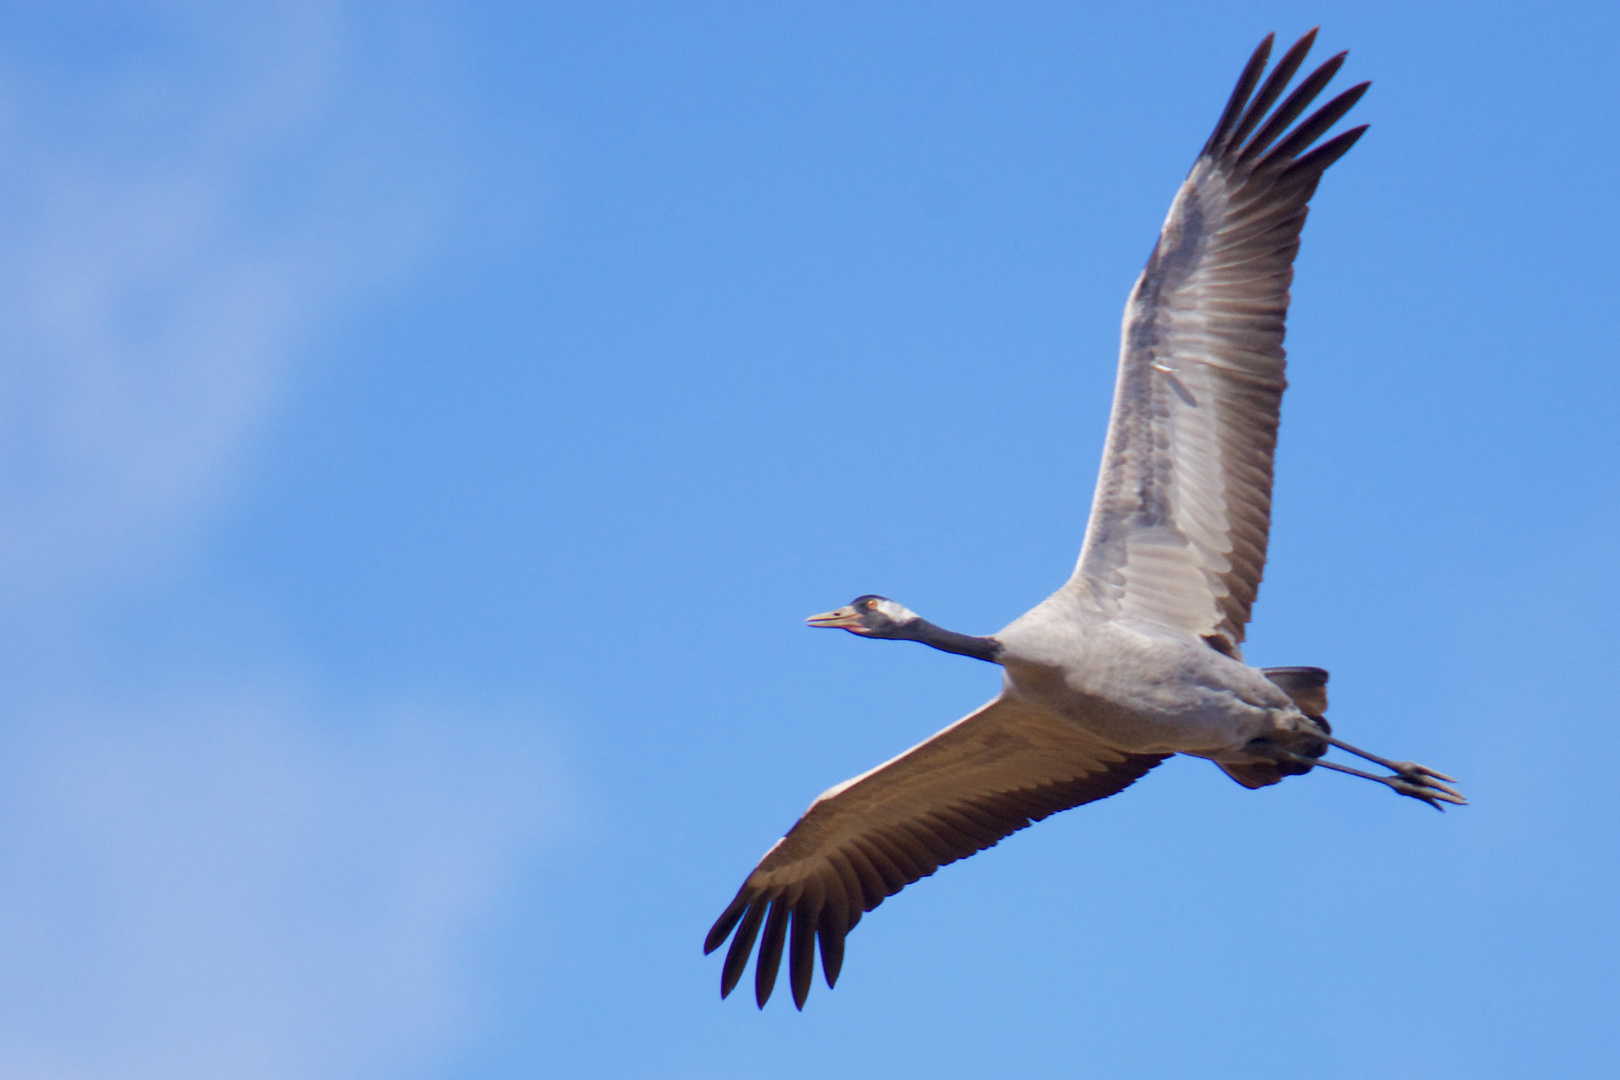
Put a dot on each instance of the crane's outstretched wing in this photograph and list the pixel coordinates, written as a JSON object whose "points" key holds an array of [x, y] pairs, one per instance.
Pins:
{"points": [[1179, 524], [982, 778]]}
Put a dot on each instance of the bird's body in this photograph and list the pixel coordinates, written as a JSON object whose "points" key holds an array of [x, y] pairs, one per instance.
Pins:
{"points": [[1066, 660], [1138, 656]]}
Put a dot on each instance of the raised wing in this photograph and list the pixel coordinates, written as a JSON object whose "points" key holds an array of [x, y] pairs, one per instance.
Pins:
{"points": [[1002, 768], [1180, 520]]}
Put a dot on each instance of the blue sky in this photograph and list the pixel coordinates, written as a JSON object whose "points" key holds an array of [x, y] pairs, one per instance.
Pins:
{"points": [[425, 427]]}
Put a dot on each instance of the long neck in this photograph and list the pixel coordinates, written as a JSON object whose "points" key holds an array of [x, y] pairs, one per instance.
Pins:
{"points": [[980, 648]]}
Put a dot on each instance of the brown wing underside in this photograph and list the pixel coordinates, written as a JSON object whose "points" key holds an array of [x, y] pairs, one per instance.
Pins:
{"points": [[998, 771]]}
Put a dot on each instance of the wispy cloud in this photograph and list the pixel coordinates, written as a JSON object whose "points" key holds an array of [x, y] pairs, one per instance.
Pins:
{"points": [[176, 216], [219, 882]]}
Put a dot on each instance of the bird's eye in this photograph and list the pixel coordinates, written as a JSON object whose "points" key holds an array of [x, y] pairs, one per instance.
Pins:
{"points": [[871, 605]]}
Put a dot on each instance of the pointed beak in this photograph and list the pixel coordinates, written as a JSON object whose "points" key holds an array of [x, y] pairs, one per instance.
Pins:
{"points": [[845, 618]]}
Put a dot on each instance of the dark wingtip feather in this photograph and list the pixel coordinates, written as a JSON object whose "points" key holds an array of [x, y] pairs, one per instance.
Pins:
{"points": [[832, 954], [728, 919], [1296, 103], [741, 946], [770, 951], [1330, 151], [802, 954], [834, 923], [1313, 128], [1274, 85], [1240, 95]]}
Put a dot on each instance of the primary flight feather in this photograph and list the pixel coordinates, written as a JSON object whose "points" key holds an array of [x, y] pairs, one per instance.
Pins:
{"points": [[1138, 656]]}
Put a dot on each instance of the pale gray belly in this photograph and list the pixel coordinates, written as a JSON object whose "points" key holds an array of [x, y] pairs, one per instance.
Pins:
{"points": [[1147, 693]]}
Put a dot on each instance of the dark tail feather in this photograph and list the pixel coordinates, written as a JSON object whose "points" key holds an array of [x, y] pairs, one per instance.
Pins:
{"points": [[1307, 686], [1255, 774]]}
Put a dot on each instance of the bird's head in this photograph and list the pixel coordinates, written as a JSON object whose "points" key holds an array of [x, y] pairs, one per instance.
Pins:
{"points": [[870, 616]]}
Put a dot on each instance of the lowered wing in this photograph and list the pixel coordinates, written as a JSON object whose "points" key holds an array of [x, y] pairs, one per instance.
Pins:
{"points": [[1180, 520], [985, 777]]}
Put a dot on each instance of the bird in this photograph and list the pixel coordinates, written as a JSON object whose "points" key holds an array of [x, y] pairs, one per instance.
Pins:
{"points": [[1138, 656]]}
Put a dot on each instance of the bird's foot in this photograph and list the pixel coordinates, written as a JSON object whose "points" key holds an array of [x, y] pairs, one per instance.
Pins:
{"points": [[1422, 782], [1411, 779]]}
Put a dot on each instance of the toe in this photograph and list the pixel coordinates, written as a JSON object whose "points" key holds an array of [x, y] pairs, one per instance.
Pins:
{"points": [[1412, 770], [1433, 794]]}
